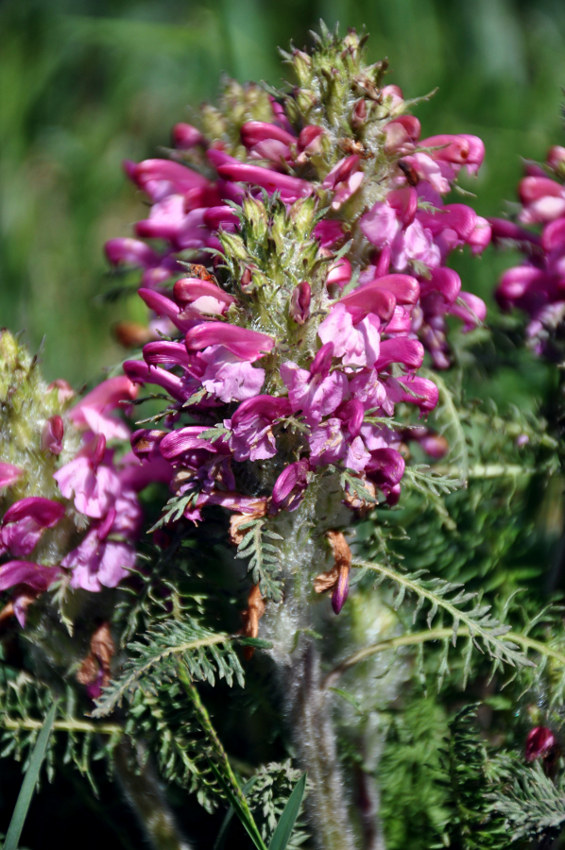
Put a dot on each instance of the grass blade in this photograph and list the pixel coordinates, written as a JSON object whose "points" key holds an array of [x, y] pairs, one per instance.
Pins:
{"points": [[285, 826], [29, 783]]}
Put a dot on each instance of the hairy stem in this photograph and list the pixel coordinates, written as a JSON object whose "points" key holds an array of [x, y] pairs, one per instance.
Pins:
{"points": [[145, 794], [314, 736], [292, 627]]}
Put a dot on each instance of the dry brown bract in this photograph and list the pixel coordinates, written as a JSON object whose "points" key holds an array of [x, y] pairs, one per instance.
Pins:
{"points": [[342, 563]]}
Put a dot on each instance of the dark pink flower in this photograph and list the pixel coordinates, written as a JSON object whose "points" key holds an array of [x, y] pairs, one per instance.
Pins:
{"points": [[341, 590], [52, 435], [160, 178], [243, 343], [251, 425], [290, 188], [539, 743], [290, 485], [300, 303], [203, 297], [25, 521]]}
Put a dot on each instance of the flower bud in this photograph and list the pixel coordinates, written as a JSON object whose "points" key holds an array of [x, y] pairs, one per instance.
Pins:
{"points": [[300, 303], [52, 435]]}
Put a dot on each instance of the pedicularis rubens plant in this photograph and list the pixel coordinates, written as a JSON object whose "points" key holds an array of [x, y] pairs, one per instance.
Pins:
{"points": [[308, 582]]}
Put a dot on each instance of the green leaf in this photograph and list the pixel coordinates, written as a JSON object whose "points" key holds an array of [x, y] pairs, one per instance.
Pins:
{"points": [[285, 826], [483, 631], [30, 781], [220, 840]]}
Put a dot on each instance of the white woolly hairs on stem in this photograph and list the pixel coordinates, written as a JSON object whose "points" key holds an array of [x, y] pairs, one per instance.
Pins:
{"points": [[287, 625], [309, 707]]}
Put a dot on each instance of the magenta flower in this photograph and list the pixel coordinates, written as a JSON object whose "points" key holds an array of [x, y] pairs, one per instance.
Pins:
{"points": [[34, 576], [327, 284], [8, 474], [290, 188], [540, 743], [251, 427], [289, 487], [24, 523], [536, 286], [245, 344]]}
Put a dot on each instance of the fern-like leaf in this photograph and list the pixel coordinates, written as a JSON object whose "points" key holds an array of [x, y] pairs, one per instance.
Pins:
{"points": [[484, 631], [259, 547], [23, 703], [206, 654], [473, 823], [530, 803]]}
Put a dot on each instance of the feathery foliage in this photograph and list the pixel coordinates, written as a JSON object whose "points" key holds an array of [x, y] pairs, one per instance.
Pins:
{"points": [[529, 803], [208, 656], [75, 739], [472, 824], [437, 596], [258, 546]]}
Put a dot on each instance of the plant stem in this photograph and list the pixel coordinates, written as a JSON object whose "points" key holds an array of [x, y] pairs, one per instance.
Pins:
{"points": [[145, 794], [314, 737], [220, 762], [292, 628], [428, 635]]}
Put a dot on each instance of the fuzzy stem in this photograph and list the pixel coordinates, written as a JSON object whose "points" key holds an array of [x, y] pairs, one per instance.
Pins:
{"points": [[303, 554], [145, 794], [314, 737]]}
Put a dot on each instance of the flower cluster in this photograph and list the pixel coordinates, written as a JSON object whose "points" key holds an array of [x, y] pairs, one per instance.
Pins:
{"points": [[69, 506], [537, 286], [286, 354]]}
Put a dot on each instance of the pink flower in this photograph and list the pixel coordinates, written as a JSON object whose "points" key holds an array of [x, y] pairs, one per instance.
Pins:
{"points": [[380, 225], [356, 345], [315, 393], [25, 521], [251, 426], [8, 474], [90, 480], [290, 485], [95, 410], [100, 561], [228, 377]]}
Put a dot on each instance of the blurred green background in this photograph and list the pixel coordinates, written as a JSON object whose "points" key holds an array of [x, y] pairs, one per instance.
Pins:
{"points": [[89, 83]]}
